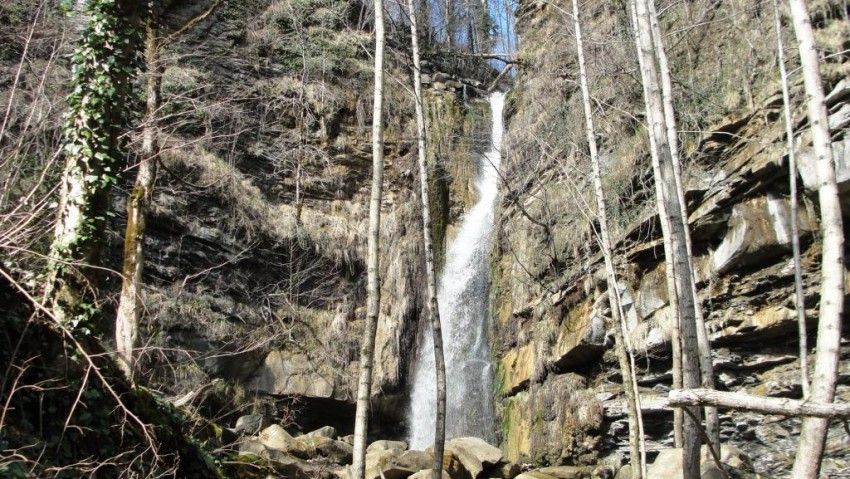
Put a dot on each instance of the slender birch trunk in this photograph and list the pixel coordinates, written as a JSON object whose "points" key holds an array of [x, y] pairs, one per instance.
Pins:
{"points": [[712, 421], [813, 433], [800, 298], [138, 204], [373, 287], [447, 22], [680, 283], [428, 243], [665, 232], [628, 374]]}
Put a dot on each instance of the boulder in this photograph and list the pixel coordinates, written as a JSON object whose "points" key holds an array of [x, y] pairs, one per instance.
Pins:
{"points": [[380, 455], [248, 424], [453, 466], [275, 437], [428, 474], [535, 475], [325, 431], [251, 447], [384, 445], [414, 460], [625, 472], [453, 84], [442, 77], [284, 373], [474, 454], [758, 231], [288, 466], [652, 292], [567, 472], [668, 464], [312, 446], [509, 470]]}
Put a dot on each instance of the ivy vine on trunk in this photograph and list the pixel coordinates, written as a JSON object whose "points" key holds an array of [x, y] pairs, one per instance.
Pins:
{"points": [[104, 65]]}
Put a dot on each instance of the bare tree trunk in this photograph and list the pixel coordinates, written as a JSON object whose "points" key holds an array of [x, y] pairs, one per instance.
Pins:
{"points": [[749, 402], [680, 282], [813, 433], [628, 374], [712, 421], [428, 243], [448, 24], [373, 287], [800, 298], [129, 305], [665, 231]]}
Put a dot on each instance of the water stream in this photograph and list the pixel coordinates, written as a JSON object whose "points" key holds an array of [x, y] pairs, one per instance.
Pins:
{"points": [[463, 296]]}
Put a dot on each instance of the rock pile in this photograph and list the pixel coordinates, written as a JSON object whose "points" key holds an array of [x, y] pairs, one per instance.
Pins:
{"points": [[323, 454]]}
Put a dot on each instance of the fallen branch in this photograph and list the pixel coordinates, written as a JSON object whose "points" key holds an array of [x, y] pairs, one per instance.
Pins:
{"points": [[499, 77], [502, 57], [749, 402]]}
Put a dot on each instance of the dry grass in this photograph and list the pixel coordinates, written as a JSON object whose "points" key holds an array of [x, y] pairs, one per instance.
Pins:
{"points": [[338, 236]]}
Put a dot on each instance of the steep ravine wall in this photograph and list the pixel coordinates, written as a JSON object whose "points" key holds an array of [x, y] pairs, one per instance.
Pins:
{"points": [[559, 394], [238, 286]]}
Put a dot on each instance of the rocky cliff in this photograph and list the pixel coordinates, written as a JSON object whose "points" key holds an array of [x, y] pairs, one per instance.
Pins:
{"points": [[560, 396], [255, 281], [256, 249]]}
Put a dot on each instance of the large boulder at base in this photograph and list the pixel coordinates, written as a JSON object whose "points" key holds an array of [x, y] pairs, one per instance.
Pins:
{"points": [[508, 470], [428, 474], [251, 446], [275, 437], [325, 431], [474, 454], [567, 472], [311, 446], [413, 461], [668, 464], [248, 424], [534, 475], [380, 455], [383, 445], [288, 466], [625, 472]]}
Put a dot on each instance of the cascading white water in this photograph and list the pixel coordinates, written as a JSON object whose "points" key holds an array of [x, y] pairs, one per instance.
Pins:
{"points": [[463, 294]]}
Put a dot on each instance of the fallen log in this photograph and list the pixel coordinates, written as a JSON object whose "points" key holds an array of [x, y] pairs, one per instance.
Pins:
{"points": [[760, 404]]}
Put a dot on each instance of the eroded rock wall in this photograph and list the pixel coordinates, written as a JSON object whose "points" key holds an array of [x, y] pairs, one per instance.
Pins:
{"points": [[560, 395], [256, 247]]}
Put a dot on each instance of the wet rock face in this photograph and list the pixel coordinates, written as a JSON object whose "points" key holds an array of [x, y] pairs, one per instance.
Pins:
{"points": [[558, 418], [551, 327]]}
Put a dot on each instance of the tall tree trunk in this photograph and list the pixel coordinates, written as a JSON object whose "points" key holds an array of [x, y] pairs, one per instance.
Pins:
{"points": [[620, 331], [680, 283], [448, 23], [373, 287], [800, 298], [428, 243], [712, 421], [814, 430], [665, 232], [138, 204], [104, 66]]}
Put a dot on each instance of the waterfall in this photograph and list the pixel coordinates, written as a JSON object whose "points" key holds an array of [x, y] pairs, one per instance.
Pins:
{"points": [[463, 297]]}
